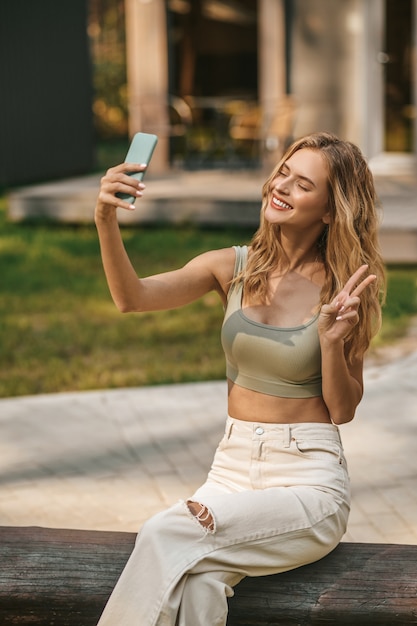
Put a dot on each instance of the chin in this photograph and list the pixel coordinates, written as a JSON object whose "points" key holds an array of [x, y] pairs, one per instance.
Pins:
{"points": [[273, 216]]}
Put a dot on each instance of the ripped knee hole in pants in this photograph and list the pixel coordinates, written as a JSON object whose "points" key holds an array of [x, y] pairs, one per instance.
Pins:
{"points": [[202, 514]]}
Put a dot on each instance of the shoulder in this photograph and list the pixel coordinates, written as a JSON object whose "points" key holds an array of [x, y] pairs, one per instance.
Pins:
{"points": [[220, 264]]}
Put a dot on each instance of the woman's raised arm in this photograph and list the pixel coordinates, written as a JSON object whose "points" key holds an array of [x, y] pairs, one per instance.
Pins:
{"points": [[207, 272]]}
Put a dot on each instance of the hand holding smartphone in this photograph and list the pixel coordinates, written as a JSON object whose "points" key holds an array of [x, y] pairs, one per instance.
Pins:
{"points": [[140, 151]]}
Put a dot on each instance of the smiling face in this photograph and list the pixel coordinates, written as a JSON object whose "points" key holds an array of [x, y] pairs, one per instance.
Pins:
{"points": [[298, 194]]}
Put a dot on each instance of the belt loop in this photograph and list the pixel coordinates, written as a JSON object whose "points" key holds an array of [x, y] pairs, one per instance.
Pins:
{"points": [[339, 436], [229, 427], [286, 435]]}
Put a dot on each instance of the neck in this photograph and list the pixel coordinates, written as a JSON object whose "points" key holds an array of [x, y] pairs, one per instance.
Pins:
{"points": [[298, 256], [301, 249]]}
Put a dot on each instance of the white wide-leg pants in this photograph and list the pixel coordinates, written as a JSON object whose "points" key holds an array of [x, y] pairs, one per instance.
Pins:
{"points": [[279, 498]]}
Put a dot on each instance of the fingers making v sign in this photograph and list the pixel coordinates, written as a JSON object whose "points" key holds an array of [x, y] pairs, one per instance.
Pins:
{"points": [[337, 318]]}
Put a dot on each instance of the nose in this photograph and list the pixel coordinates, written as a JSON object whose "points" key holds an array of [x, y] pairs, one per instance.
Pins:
{"points": [[282, 185]]}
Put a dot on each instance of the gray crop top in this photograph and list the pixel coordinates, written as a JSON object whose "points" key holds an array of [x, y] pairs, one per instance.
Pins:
{"points": [[283, 362]]}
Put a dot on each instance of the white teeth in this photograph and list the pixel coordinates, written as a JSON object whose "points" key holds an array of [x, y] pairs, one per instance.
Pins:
{"points": [[280, 203]]}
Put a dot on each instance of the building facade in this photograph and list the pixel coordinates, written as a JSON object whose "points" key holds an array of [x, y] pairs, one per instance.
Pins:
{"points": [[295, 66], [46, 122]]}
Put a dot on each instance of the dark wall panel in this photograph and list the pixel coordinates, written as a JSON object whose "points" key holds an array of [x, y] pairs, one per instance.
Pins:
{"points": [[45, 90]]}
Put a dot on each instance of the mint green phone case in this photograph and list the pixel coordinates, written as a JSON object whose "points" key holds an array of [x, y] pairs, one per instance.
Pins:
{"points": [[140, 151]]}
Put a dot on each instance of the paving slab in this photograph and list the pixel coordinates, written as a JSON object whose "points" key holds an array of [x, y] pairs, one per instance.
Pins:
{"points": [[109, 459]]}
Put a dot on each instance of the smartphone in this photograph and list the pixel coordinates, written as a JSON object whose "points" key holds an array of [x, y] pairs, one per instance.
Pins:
{"points": [[140, 151]]}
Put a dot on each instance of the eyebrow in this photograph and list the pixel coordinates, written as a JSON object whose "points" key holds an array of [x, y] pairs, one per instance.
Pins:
{"points": [[299, 175]]}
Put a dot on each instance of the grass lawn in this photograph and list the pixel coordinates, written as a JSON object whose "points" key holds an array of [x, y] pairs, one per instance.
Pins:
{"points": [[60, 331]]}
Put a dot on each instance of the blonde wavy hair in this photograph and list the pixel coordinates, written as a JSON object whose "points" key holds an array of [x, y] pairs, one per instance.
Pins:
{"points": [[347, 242]]}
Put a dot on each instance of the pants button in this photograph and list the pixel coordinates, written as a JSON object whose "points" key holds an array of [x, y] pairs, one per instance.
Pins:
{"points": [[259, 431]]}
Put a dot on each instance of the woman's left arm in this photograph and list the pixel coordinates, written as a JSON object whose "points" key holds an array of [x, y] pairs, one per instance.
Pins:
{"points": [[342, 382]]}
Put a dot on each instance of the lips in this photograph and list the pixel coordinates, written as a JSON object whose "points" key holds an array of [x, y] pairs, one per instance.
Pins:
{"points": [[277, 203]]}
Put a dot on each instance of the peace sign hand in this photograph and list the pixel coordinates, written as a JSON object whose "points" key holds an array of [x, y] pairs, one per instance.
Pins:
{"points": [[337, 319]]}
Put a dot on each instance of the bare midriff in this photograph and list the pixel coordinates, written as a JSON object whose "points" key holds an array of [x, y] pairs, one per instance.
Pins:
{"points": [[252, 406]]}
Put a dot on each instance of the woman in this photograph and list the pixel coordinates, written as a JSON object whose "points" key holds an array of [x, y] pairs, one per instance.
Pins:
{"points": [[301, 307]]}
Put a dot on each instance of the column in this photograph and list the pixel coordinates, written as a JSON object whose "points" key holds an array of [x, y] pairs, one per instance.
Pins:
{"points": [[271, 68], [374, 57], [147, 74], [415, 79]]}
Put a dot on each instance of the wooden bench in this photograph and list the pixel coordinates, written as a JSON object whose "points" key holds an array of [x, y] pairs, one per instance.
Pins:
{"points": [[53, 577]]}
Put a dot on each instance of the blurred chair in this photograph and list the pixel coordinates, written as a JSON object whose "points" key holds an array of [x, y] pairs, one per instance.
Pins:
{"points": [[245, 131], [209, 141], [180, 123], [180, 116], [254, 134]]}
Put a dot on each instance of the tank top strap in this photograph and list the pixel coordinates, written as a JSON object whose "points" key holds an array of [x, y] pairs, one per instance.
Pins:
{"points": [[241, 259], [235, 292]]}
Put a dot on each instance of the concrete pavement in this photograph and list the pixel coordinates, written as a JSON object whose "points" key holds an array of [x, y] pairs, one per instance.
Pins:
{"points": [[110, 459]]}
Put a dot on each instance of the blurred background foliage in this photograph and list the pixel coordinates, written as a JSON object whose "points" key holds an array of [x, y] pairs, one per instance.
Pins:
{"points": [[106, 31]]}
